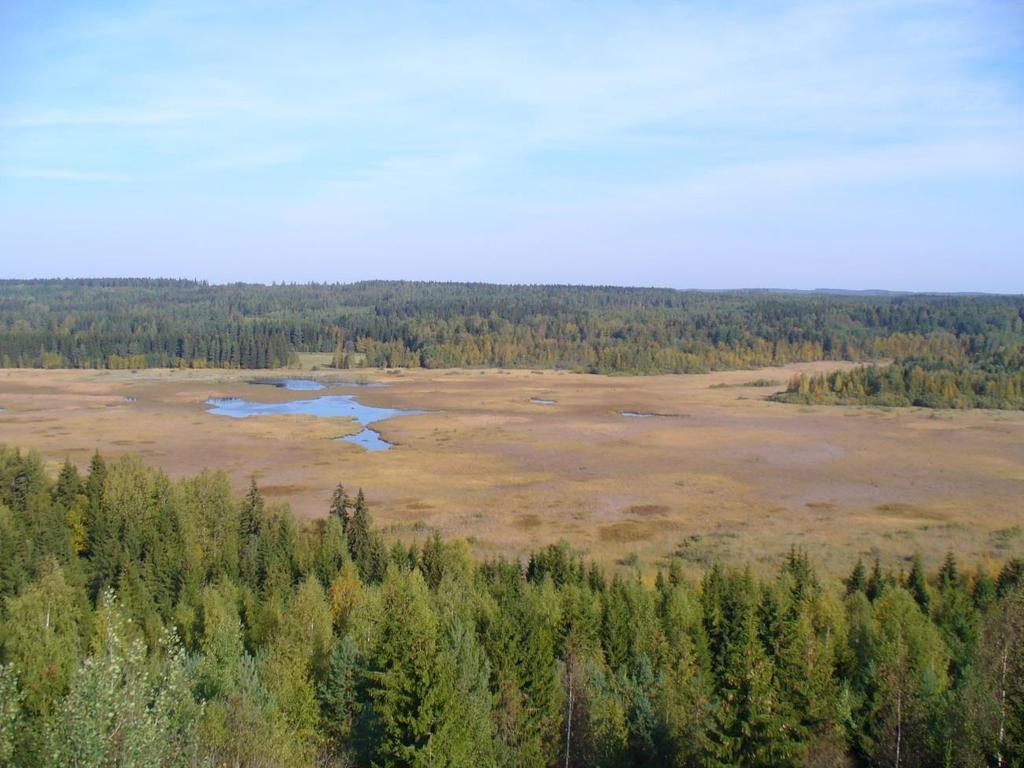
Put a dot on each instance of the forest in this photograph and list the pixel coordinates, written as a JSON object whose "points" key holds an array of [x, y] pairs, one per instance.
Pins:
{"points": [[990, 381], [151, 622], [139, 323]]}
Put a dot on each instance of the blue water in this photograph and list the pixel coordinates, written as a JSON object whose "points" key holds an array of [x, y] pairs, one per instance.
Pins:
{"points": [[328, 406], [295, 385], [309, 385], [369, 439]]}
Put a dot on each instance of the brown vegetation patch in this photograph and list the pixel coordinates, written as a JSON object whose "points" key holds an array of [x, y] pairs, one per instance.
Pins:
{"points": [[749, 476], [625, 532], [821, 506], [281, 490], [647, 510], [903, 510]]}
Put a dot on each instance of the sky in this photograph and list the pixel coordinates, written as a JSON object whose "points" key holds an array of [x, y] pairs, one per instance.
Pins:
{"points": [[854, 144]]}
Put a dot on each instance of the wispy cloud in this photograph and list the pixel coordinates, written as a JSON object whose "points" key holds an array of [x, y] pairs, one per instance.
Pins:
{"points": [[91, 117], [61, 174], [396, 112]]}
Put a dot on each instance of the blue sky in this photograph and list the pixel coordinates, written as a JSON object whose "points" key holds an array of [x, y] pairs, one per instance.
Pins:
{"points": [[854, 144]]}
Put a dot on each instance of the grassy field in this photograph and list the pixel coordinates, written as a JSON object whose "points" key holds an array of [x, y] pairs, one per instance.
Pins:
{"points": [[720, 473]]}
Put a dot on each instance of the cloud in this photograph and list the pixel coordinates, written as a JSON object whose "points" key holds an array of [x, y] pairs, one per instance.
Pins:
{"points": [[327, 119], [92, 117], [62, 174]]}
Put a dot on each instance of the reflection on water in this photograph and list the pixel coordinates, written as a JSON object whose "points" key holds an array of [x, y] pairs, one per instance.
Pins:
{"points": [[309, 385], [295, 385], [370, 440], [328, 406]]}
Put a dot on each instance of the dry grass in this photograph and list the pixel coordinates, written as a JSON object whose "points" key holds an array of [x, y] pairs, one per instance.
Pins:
{"points": [[740, 478]]}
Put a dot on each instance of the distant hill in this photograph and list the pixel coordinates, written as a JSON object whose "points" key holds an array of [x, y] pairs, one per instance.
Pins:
{"points": [[136, 323]]}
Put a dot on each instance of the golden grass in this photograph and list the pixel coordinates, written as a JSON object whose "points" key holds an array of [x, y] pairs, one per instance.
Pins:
{"points": [[740, 478]]}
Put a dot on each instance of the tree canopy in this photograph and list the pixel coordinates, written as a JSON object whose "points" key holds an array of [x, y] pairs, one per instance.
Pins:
{"points": [[151, 622], [138, 323]]}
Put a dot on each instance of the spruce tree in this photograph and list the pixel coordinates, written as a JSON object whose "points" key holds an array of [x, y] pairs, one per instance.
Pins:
{"points": [[251, 517], [876, 582], [358, 530], [340, 504], [917, 585], [426, 687], [858, 578]]}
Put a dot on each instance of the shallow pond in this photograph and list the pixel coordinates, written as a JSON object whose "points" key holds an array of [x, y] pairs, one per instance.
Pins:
{"points": [[309, 385], [328, 406]]}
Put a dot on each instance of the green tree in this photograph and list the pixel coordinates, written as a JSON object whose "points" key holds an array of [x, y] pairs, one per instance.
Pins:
{"points": [[11, 724], [42, 635], [917, 585], [338, 694], [340, 504], [421, 683], [115, 713], [858, 579], [909, 682]]}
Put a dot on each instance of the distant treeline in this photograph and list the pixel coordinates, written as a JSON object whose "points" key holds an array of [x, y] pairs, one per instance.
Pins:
{"points": [[150, 623], [994, 381], [127, 323]]}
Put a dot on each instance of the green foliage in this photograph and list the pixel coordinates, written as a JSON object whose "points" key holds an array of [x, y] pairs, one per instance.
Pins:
{"points": [[10, 714], [986, 381], [117, 713], [42, 636], [137, 323], [311, 645]]}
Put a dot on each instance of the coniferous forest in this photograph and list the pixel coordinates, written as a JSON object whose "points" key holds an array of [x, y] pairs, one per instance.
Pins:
{"points": [[150, 622], [992, 381], [138, 323]]}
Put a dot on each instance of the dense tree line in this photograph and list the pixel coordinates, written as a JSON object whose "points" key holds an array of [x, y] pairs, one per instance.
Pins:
{"points": [[993, 381], [157, 323], [154, 623]]}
